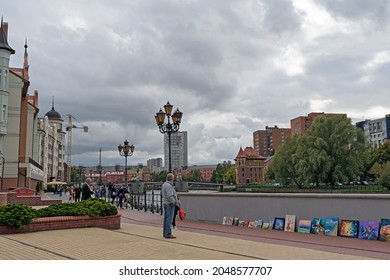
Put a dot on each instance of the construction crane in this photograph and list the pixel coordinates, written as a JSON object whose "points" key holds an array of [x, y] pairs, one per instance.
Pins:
{"points": [[69, 129]]}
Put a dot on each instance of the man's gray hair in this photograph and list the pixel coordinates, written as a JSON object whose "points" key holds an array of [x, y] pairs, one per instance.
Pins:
{"points": [[170, 177], [88, 180]]}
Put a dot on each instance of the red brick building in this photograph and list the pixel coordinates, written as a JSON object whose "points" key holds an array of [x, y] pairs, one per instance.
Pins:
{"points": [[267, 141], [249, 166], [206, 171], [300, 124]]}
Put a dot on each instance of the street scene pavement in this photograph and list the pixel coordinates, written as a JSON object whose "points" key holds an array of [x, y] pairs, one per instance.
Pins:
{"points": [[140, 238]]}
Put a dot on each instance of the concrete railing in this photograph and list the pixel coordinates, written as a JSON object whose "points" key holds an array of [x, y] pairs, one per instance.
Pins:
{"points": [[213, 206]]}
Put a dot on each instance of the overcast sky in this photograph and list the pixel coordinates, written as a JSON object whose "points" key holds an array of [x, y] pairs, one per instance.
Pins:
{"points": [[231, 67]]}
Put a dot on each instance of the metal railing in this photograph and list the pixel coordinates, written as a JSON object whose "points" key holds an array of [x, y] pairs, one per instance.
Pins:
{"points": [[146, 201]]}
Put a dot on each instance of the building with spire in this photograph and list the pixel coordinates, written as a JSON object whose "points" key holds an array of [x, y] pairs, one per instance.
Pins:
{"points": [[19, 144], [51, 154]]}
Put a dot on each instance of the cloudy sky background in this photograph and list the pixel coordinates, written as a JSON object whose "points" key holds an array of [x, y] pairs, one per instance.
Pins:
{"points": [[231, 67]]}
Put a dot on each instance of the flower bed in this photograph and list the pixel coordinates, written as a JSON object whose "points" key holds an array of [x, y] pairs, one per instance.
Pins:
{"points": [[65, 222]]}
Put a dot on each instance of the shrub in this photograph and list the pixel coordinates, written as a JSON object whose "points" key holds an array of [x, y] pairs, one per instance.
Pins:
{"points": [[89, 207], [16, 215]]}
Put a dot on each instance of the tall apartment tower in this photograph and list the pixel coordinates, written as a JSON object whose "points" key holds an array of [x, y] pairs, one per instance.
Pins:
{"points": [[179, 150], [267, 141], [376, 131], [300, 124], [155, 164]]}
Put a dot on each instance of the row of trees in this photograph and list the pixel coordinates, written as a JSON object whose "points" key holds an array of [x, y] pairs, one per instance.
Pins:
{"points": [[332, 151], [224, 173]]}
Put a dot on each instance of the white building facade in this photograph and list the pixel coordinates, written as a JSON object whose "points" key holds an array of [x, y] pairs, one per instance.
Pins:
{"points": [[179, 150], [376, 131]]}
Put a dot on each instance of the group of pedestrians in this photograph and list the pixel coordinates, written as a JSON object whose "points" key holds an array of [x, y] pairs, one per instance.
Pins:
{"points": [[119, 195]]}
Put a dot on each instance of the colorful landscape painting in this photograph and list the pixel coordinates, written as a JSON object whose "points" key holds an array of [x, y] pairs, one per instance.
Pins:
{"points": [[349, 228], [384, 232], [317, 226], [368, 230], [265, 225], [331, 226], [289, 224], [278, 224], [304, 226]]}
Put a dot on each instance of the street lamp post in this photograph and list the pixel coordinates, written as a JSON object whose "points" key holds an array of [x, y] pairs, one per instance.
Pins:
{"points": [[168, 127], [125, 151]]}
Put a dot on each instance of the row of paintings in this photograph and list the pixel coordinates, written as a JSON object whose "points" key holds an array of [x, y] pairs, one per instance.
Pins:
{"points": [[330, 226]]}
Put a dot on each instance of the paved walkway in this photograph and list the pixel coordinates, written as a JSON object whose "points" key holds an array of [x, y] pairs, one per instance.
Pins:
{"points": [[140, 238]]}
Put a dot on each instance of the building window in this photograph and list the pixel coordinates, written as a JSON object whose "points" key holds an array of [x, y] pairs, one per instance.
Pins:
{"points": [[4, 114], [5, 86], [1, 78]]}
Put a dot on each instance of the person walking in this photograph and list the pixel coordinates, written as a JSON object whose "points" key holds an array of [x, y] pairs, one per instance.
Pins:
{"points": [[71, 194], [170, 200], [86, 191], [77, 193]]}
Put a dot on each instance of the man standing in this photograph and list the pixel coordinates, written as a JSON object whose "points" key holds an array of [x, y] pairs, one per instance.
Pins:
{"points": [[169, 199], [86, 191]]}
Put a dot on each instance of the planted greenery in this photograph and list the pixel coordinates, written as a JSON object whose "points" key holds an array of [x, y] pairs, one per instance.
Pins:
{"points": [[18, 215]]}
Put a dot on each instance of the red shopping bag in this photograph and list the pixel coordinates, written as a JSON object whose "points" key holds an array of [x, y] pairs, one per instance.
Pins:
{"points": [[182, 213]]}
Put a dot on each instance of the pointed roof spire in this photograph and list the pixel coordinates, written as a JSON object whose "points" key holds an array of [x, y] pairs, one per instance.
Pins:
{"points": [[53, 114], [25, 63], [3, 37]]}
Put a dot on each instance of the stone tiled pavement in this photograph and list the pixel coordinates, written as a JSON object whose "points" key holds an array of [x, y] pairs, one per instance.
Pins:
{"points": [[140, 237]]}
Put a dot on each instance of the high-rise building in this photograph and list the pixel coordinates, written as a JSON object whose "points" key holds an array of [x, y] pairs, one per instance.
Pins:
{"points": [[300, 124], [376, 131], [179, 150], [267, 141], [155, 164]]}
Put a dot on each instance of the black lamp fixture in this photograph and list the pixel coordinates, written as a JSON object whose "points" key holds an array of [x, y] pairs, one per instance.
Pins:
{"points": [[126, 150], [170, 126]]}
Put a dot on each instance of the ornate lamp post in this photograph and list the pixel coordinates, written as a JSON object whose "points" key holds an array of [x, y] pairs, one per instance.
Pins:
{"points": [[168, 127], [125, 151]]}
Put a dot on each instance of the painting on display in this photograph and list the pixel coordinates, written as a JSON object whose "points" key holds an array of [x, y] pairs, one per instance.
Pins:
{"points": [[265, 225], [278, 224], [289, 224], [252, 224], [229, 221], [260, 223], [368, 230], [331, 226], [384, 232], [304, 226], [317, 226], [235, 221], [349, 228]]}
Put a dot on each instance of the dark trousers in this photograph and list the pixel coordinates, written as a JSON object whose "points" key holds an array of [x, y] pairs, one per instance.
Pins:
{"points": [[174, 215]]}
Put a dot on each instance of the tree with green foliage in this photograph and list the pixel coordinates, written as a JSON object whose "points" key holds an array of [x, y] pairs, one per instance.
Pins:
{"points": [[283, 167], [159, 176], [230, 175], [329, 152], [382, 154], [194, 176], [220, 171]]}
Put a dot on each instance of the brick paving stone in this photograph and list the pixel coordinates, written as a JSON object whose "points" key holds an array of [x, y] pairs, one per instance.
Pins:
{"points": [[140, 238]]}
